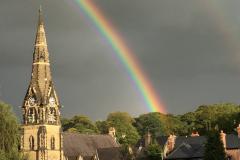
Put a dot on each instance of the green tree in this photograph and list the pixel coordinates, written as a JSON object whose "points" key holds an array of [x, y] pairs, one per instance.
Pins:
{"points": [[150, 122], [102, 126], [189, 121], [214, 149], [126, 133], [153, 152], [126, 152], [173, 125], [2, 155], [80, 124], [9, 134], [213, 116], [65, 123]]}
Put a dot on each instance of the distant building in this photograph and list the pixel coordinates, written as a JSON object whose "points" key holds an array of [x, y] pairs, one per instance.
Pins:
{"points": [[191, 147], [42, 137]]}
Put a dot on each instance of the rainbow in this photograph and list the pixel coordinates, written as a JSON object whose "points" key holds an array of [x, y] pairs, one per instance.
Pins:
{"points": [[124, 54]]}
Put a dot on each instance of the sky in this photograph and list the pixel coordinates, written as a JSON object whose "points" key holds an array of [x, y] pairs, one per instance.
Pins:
{"points": [[189, 50]]}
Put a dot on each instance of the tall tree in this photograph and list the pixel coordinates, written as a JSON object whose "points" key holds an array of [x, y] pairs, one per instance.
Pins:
{"points": [[154, 152], [125, 131], [9, 133], [80, 124], [173, 125], [150, 122], [214, 149], [103, 126]]}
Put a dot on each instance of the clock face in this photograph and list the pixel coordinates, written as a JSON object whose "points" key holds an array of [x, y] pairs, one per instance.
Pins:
{"points": [[51, 100], [31, 101]]}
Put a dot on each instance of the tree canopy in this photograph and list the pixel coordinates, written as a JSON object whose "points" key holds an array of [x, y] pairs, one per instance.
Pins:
{"points": [[223, 116], [126, 133], [9, 134], [80, 124], [150, 122], [214, 149]]}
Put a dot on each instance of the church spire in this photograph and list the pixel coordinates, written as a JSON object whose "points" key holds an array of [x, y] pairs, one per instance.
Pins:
{"points": [[41, 50], [40, 19], [41, 92], [41, 137]]}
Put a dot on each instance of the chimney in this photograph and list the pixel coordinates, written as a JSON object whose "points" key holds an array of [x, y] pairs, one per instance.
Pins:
{"points": [[223, 138], [147, 139], [171, 143], [194, 134], [112, 132], [238, 131]]}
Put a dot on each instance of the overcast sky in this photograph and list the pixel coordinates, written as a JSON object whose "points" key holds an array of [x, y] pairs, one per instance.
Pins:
{"points": [[188, 49]]}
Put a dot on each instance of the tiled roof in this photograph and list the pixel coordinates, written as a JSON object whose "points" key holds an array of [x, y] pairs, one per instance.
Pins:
{"points": [[113, 153], [198, 140], [75, 144], [185, 151], [193, 147]]}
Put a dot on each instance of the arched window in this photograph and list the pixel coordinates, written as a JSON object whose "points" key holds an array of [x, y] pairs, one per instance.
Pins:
{"points": [[31, 143], [52, 143], [52, 115], [31, 115]]}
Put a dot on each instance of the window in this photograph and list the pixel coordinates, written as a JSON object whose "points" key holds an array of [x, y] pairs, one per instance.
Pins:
{"points": [[52, 115], [31, 115], [31, 143], [52, 143]]}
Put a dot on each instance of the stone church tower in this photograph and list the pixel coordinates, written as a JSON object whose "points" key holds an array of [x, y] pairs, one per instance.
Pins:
{"points": [[41, 129]]}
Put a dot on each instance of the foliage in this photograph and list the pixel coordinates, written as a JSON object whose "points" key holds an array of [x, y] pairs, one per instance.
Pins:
{"points": [[9, 131], [159, 124], [208, 117], [80, 124], [153, 152], [102, 126], [126, 152], [214, 149], [2, 155], [126, 133], [65, 123], [150, 122], [173, 125], [189, 121]]}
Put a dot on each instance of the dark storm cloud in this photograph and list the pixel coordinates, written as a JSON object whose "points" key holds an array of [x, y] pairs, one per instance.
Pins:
{"points": [[178, 44]]}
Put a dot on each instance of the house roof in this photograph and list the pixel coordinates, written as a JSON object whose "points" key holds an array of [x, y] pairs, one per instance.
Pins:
{"points": [[197, 140], [185, 150], [193, 147], [188, 147], [113, 153], [75, 144]]}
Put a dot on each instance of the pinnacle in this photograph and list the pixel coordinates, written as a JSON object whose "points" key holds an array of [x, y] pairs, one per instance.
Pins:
{"points": [[40, 20]]}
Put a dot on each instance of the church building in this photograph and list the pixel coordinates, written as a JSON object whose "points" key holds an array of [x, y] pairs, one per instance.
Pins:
{"points": [[41, 133], [41, 129]]}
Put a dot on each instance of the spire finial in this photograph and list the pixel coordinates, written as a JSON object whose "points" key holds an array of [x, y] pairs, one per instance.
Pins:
{"points": [[40, 8], [40, 15]]}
